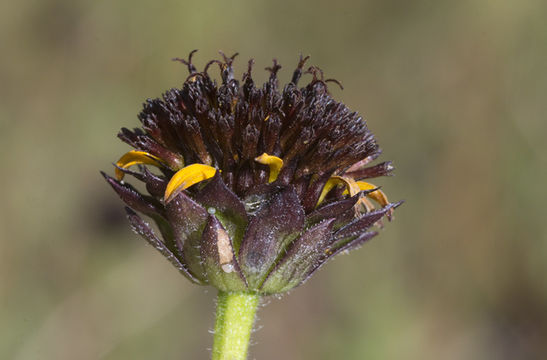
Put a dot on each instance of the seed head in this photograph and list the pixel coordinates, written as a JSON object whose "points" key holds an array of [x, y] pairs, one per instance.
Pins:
{"points": [[256, 188]]}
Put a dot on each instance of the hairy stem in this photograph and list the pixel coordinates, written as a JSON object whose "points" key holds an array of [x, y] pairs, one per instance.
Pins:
{"points": [[235, 317]]}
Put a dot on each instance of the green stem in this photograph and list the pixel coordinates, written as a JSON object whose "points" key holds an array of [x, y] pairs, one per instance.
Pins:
{"points": [[235, 317]]}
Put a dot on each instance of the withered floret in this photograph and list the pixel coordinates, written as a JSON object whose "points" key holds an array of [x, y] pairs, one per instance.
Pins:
{"points": [[256, 188]]}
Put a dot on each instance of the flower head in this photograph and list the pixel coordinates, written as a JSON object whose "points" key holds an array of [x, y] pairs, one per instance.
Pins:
{"points": [[257, 188]]}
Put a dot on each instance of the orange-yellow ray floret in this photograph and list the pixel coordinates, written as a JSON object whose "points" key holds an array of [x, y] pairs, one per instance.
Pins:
{"points": [[378, 195], [273, 162], [186, 177], [351, 186], [135, 157]]}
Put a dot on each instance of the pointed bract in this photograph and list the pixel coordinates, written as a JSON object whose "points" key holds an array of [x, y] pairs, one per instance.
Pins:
{"points": [[361, 224], [187, 218], [145, 204], [303, 255], [218, 199], [268, 234], [219, 260], [143, 229]]}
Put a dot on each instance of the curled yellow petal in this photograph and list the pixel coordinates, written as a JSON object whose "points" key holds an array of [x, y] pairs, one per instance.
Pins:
{"points": [[186, 177], [273, 162], [351, 186], [135, 157], [378, 195]]}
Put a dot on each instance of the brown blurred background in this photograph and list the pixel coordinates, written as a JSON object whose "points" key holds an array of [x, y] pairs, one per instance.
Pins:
{"points": [[454, 91]]}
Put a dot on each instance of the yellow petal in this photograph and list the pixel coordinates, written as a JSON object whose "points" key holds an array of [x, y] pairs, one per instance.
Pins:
{"points": [[186, 177], [135, 157], [351, 186], [378, 195], [273, 162]]}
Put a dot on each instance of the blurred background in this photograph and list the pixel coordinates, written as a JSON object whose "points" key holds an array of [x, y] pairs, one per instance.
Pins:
{"points": [[454, 91]]}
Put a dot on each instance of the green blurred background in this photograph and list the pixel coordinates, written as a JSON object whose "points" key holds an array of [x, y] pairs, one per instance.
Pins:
{"points": [[454, 91]]}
